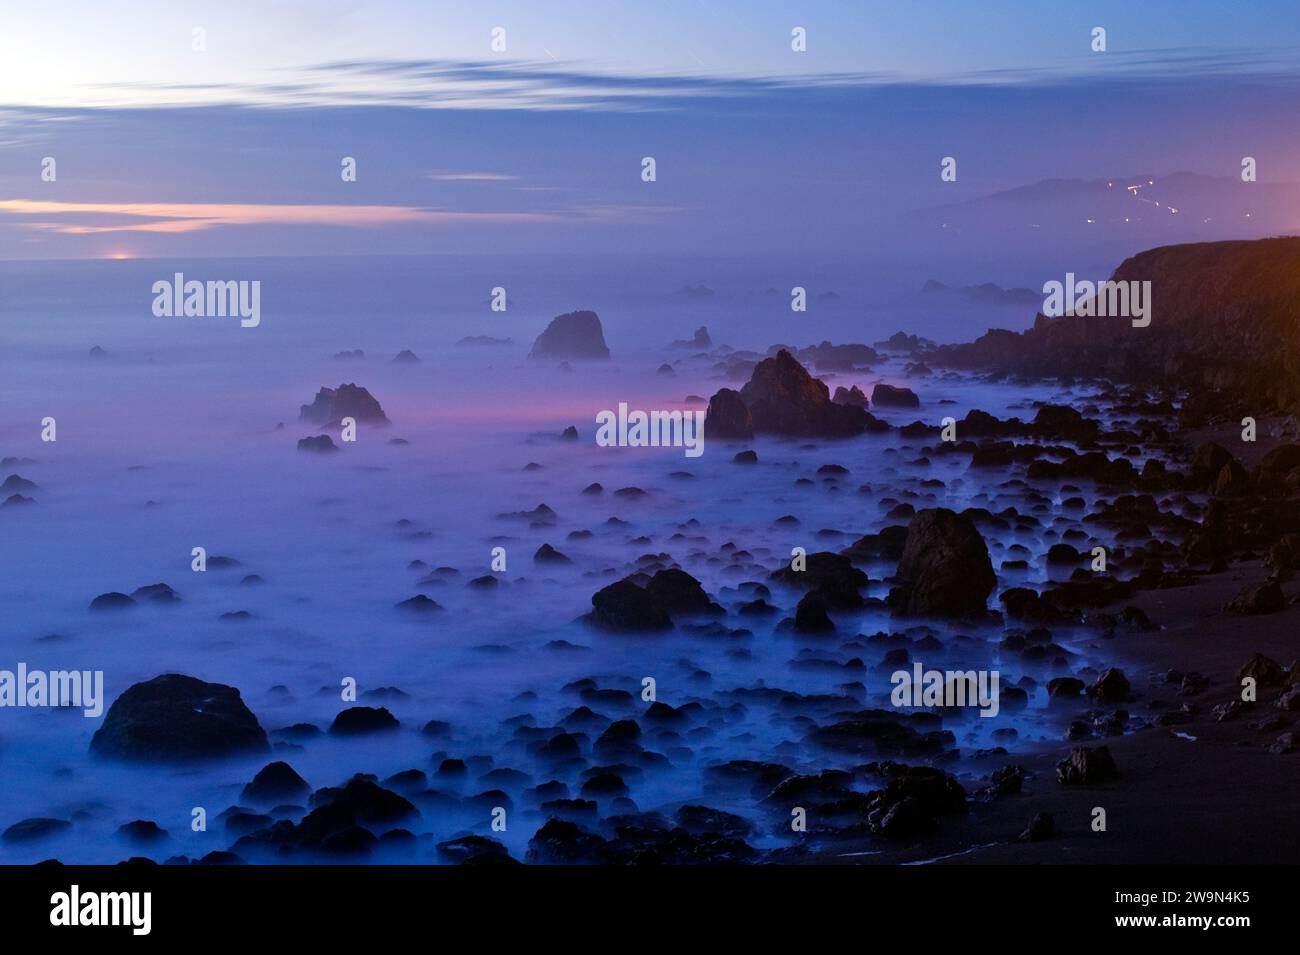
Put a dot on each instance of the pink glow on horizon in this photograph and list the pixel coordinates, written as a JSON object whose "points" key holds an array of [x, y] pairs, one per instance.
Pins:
{"points": [[180, 217]]}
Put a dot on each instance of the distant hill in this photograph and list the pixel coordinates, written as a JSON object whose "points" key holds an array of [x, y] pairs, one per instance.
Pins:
{"points": [[1150, 209], [987, 293]]}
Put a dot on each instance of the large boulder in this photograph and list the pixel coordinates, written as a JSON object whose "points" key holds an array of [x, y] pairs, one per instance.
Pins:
{"points": [[1208, 461], [276, 782], [850, 396], [892, 396], [177, 718], [945, 568], [623, 607], [1085, 766], [700, 340], [572, 336], [728, 416], [332, 405], [784, 399], [832, 576], [676, 591]]}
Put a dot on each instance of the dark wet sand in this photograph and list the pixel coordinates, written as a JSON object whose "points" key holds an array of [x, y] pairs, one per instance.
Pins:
{"points": [[1223, 797]]}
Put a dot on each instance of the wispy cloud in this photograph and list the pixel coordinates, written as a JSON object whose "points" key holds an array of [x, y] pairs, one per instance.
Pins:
{"points": [[174, 217], [563, 85], [470, 177]]}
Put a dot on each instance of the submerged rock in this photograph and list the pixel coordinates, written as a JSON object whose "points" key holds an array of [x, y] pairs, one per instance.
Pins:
{"points": [[177, 718], [945, 568], [678, 592], [810, 615], [419, 604], [623, 607], [783, 398], [728, 416], [912, 799], [574, 336], [850, 396], [318, 444], [332, 405], [38, 827], [890, 396], [156, 593], [546, 554], [112, 600], [700, 340], [474, 850], [356, 720], [142, 831], [275, 783]]}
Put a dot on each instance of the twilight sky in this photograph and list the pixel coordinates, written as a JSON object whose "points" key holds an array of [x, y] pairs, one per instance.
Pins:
{"points": [[165, 150]]}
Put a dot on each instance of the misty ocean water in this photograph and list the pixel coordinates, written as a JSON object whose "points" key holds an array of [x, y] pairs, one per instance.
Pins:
{"points": [[173, 440]]}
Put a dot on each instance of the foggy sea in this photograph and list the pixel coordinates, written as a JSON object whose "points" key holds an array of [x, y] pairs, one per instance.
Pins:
{"points": [[173, 440]]}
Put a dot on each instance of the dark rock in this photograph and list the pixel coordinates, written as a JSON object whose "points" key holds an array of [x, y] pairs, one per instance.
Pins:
{"points": [[142, 831], [1064, 687], [275, 783], [1111, 687], [559, 842], [623, 607], [1042, 826], [176, 718], [1063, 554], [1086, 766], [700, 820], [419, 604], [678, 592], [945, 568], [810, 615], [474, 850], [850, 396], [546, 554], [1207, 462], [332, 405], [156, 593], [1263, 598], [319, 444], [111, 601], [1264, 671], [700, 340], [572, 336], [728, 416], [911, 800], [832, 576], [784, 399], [889, 396], [356, 720], [29, 830], [16, 482], [364, 799]]}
